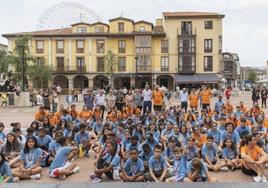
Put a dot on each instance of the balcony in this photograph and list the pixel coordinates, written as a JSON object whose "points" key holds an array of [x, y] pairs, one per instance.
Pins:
{"points": [[70, 69], [187, 69], [144, 69], [191, 32]]}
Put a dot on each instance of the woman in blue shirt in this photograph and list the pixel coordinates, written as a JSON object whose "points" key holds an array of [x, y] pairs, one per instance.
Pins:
{"points": [[230, 154], [30, 159]]}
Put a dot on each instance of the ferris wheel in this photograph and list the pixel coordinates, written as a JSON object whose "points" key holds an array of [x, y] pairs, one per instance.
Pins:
{"points": [[64, 14]]}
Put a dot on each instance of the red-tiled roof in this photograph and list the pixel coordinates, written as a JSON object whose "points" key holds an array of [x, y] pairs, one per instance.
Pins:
{"points": [[64, 31], [101, 23], [142, 21], [192, 14]]}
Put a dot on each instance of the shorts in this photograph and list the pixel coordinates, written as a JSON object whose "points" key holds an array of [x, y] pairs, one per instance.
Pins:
{"points": [[201, 179], [55, 172], [249, 172]]}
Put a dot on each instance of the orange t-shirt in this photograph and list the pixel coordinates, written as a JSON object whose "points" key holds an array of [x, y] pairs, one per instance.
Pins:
{"points": [[97, 113], [53, 120], [254, 153], [201, 140], [158, 97], [58, 115], [193, 100], [206, 97], [243, 109], [266, 123], [74, 114], [85, 114], [229, 108], [40, 116]]}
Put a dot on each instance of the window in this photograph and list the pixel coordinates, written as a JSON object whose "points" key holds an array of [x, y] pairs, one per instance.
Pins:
{"points": [[164, 63], [208, 63], [60, 63], [208, 25], [142, 29], [100, 64], [187, 45], [80, 63], [100, 46], [164, 46], [186, 28], [121, 46], [39, 46], [99, 29], [60, 46], [40, 61], [208, 45], [121, 26], [80, 46], [121, 64], [81, 29]]}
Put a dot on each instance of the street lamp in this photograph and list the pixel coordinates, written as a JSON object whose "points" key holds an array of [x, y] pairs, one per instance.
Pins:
{"points": [[23, 66], [136, 73]]}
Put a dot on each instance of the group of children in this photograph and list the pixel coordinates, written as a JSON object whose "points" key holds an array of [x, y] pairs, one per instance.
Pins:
{"points": [[169, 145]]}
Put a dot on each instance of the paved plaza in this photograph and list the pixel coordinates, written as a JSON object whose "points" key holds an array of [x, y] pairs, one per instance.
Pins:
{"points": [[26, 116]]}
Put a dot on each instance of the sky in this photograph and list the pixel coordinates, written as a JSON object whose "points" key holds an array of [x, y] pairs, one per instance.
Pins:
{"points": [[245, 26]]}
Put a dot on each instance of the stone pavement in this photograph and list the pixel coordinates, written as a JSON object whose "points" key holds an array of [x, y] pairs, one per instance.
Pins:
{"points": [[26, 116]]}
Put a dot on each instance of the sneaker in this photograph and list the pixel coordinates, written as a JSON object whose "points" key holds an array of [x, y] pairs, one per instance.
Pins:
{"points": [[263, 179], [96, 180], [36, 177], [76, 170], [16, 179], [63, 177], [257, 179], [92, 176], [225, 169]]}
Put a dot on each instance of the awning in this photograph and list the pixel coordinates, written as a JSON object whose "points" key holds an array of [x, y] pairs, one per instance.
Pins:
{"points": [[197, 78]]}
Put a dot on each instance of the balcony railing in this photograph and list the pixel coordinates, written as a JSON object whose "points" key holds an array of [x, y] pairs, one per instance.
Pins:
{"points": [[187, 69], [144, 69], [189, 32], [70, 69]]}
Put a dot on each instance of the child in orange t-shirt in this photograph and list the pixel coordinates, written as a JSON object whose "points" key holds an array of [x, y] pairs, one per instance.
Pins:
{"points": [[97, 112]]}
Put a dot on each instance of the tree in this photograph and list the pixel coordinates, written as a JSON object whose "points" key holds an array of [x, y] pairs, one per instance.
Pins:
{"points": [[252, 76], [110, 65], [42, 73]]}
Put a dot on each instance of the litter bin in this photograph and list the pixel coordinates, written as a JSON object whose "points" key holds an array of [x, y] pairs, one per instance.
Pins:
{"points": [[11, 99]]}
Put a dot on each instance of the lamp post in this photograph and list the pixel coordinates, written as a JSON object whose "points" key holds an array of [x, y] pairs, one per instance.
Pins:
{"points": [[136, 73], [23, 66]]}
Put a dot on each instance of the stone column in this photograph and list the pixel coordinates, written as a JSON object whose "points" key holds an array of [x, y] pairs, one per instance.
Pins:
{"points": [[132, 81], [70, 83], [90, 82]]}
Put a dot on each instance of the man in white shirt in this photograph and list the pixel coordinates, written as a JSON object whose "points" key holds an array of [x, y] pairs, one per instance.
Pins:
{"points": [[184, 99], [110, 101], [100, 100], [147, 99]]}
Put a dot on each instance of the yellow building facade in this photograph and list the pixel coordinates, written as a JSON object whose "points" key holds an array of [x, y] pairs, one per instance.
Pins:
{"points": [[177, 50]]}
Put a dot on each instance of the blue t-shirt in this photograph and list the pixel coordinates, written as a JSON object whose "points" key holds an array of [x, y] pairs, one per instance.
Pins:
{"points": [[67, 133], [216, 135], [169, 153], [54, 146], [114, 161], [146, 157], [5, 169], [210, 152], [60, 158], [191, 152], [66, 117], [125, 142], [138, 146], [137, 133], [167, 133], [157, 165], [228, 153], [3, 136], [31, 158], [243, 131], [97, 127], [202, 172], [80, 138], [234, 136], [152, 144], [45, 141], [133, 168], [180, 166]]}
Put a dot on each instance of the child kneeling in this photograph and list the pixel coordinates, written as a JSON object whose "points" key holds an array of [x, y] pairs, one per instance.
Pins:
{"points": [[61, 167]]}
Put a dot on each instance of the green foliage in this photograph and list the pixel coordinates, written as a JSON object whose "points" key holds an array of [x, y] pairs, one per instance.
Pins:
{"points": [[110, 65], [252, 76]]}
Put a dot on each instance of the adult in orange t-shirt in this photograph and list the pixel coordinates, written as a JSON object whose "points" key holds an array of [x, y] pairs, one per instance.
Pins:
{"points": [[254, 159], [242, 107], [40, 114], [205, 94], [200, 138], [158, 97], [85, 114], [229, 107], [193, 100]]}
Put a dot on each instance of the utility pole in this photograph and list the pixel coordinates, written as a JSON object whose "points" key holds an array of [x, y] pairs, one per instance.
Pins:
{"points": [[23, 66]]}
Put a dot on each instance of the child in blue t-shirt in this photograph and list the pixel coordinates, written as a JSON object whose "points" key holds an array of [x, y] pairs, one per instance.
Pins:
{"points": [[230, 154], [191, 149], [83, 138], [179, 166], [61, 167], [43, 139], [210, 154], [145, 155], [198, 172], [133, 169], [109, 164], [5, 170], [157, 166]]}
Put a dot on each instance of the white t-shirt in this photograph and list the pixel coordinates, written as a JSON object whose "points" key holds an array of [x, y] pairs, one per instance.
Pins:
{"points": [[183, 96], [100, 100], [147, 95]]}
